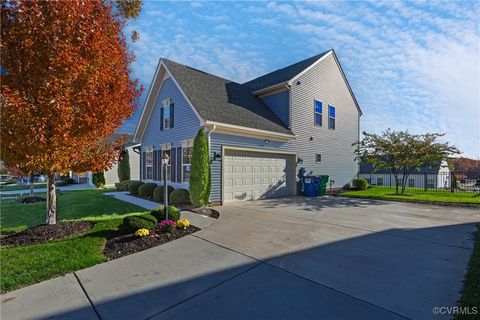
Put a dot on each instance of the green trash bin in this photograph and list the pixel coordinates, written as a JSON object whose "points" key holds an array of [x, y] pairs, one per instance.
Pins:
{"points": [[322, 186]]}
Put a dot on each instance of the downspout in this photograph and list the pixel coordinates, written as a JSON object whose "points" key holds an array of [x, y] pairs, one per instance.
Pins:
{"points": [[209, 139]]}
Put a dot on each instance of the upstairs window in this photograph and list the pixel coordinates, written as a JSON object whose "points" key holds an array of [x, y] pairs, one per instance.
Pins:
{"points": [[318, 113], [166, 115], [331, 117]]}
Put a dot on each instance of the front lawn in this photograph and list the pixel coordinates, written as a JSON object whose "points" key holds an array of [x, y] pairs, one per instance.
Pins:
{"points": [[24, 265], [70, 205], [416, 195], [27, 262]]}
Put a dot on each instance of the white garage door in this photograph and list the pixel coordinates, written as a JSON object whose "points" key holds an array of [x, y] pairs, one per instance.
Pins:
{"points": [[256, 175]]}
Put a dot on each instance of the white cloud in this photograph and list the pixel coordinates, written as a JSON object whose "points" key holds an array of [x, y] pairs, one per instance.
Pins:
{"points": [[412, 65]]}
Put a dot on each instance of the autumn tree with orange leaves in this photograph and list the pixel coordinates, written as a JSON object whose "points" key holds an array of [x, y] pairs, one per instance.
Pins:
{"points": [[66, 85]]}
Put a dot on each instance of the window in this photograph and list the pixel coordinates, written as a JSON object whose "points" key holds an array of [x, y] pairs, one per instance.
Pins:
{"points": [[318, 157], [318, 113], [379, 181], [166, 114], [331, 117], [411, 182], [186, 160], [149, 164]]}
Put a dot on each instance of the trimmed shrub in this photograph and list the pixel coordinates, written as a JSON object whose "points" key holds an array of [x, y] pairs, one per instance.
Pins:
{"points": [[99, 179], [118, 186], [133, 223], [199, 186], [158, 193], [360, 184], [146, 190], [179, 196], [346, 186], [173, 213], [133, 186], [124, 185], [123, 169]]}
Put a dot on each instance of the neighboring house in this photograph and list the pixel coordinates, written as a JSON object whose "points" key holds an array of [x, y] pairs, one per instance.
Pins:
{"points": [[111, 175], [432, 177], [261, 132]]}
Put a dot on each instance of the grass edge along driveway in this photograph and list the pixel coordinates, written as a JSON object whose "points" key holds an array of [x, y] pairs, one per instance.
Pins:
{"points": [[416, 195]]}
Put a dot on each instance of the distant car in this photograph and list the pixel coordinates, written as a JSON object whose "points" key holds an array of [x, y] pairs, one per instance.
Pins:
{"points": [[7, 179]]}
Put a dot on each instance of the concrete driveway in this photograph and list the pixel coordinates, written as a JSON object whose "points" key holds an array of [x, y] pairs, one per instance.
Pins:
{"points": [[288, 258]]}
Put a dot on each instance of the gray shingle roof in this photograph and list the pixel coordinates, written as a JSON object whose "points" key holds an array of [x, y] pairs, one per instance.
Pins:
{"points": [[222, 100], [282, 75]]}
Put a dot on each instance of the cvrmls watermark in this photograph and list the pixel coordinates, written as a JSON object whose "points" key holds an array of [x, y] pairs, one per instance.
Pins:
{"points": [[455, 310]]}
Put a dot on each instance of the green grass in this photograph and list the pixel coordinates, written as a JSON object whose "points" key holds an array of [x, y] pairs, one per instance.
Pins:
{"points": [[24, 265], [21, 187], [70, 205], [416, 195], [471, 287]]}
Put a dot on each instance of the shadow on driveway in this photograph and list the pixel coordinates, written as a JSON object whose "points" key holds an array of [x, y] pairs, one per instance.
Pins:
{"points": [[380, 275]]}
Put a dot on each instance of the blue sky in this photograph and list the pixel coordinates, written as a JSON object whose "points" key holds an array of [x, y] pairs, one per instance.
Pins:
{"points": [[411, 65]]}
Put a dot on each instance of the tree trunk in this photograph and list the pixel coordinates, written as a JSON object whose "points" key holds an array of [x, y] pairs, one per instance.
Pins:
{"points": [[31, 184], [51, 200]]}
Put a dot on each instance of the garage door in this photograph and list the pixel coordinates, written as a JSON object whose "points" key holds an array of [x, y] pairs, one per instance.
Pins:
{"points": [[251, 175]]}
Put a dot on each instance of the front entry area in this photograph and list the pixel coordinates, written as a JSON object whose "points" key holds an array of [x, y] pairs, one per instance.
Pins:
{"points": [[253, 175]]}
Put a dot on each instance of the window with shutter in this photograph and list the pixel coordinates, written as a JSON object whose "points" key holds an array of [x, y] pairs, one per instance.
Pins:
{"points": [[179, 164], [155, 166]]}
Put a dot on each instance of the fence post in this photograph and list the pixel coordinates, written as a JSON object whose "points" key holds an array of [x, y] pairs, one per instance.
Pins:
{"points": [[370, 179], [452, 181], [425, 182]]}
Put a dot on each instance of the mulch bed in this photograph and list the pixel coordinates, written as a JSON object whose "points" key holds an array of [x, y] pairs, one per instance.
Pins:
{"points": [[45, 233], [209, 212], [30, 200], [120, 244]]}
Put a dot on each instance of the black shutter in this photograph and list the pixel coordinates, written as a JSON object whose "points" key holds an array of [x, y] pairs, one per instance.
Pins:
{"points": [[161, 119], [179, 164], [160, 167], [173, 163], [155, 161], [172, 107], [144, 165]]}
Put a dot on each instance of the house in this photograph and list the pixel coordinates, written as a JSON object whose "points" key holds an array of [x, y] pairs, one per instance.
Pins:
{"points": [[111, 175], [261, 133], [430, 177]]}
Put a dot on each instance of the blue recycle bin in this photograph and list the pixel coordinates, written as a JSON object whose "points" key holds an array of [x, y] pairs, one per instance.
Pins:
{"points": [[310, 186]]}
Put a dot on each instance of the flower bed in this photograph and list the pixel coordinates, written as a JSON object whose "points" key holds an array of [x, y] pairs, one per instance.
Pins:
{"points": [[120, 244], [45, 233]]}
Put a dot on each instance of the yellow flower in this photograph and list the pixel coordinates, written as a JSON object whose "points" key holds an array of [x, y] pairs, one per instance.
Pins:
{"points": [[142, 232], [183, 223]]}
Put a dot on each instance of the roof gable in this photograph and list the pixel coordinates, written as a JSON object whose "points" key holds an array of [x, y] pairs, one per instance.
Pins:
{"points": [[284, 74], [224, 101]]}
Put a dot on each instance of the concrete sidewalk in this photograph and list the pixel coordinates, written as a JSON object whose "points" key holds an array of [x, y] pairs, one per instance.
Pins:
{"points": [[195, 219], [72, 187]]}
